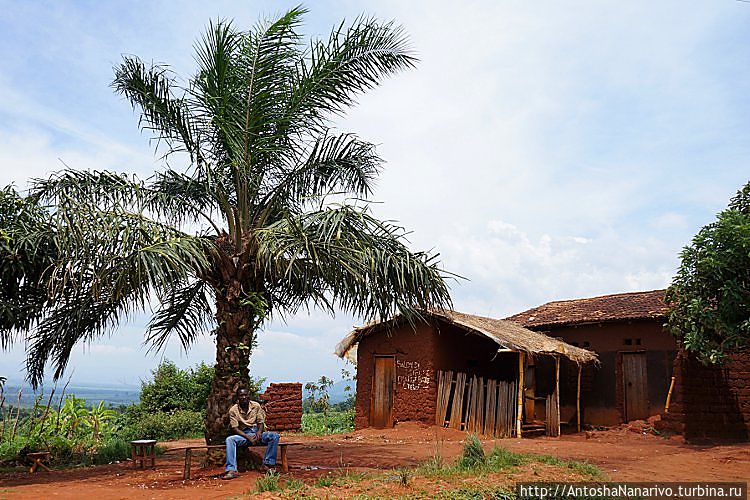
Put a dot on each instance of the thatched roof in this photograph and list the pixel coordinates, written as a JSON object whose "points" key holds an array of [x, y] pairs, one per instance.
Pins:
{"points": [[607, 308], [506, 334]]}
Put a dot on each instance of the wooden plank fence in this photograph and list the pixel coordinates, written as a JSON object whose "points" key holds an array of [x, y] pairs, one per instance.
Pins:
{"points": [[476, 405]]}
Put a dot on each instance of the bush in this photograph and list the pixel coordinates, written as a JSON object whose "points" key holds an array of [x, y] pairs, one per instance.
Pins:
{"points": [[112, 450], [163, 426], [473, 454], [175, 389], [331, 422]]}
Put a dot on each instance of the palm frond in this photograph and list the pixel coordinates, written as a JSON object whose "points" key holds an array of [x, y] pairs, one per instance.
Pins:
{"points": [[353, 60], [109, 264], [27, 250], [344, 256], [335, 163], [150, 88], [185, 311]]}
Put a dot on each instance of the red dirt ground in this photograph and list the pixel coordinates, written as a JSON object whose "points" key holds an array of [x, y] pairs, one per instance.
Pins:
{"points": [[623, 454]]}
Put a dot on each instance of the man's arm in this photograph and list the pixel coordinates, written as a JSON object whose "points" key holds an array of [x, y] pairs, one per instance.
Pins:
{"points": [[250, 437], [261, 422]]}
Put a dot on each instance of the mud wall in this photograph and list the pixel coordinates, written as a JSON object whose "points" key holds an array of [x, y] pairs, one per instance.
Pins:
{"points": [[710, 402], [283, 407], [415, 386], [602, 394], [418, 354]]}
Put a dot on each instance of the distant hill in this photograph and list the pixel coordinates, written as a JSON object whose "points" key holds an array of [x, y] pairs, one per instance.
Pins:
{"points": [[93, 394]]}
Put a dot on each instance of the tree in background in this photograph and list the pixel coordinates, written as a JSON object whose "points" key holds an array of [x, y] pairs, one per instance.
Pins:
{"points": [[710, 296], [264, 217]]}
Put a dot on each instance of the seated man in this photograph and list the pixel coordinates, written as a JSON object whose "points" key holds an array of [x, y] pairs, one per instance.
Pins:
{"points": [[247, 420]]}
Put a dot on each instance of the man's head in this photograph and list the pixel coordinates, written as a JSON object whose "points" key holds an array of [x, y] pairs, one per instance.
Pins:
{"points": [[243, 396]]}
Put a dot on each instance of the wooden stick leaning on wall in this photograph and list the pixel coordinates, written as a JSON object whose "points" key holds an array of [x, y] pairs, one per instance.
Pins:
{"points": [[669, 395], [519, 416], [557, 394], [578, 400]]}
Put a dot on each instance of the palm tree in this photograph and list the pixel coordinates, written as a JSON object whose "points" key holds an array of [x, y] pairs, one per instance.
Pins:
{"points": [[266, 217]]}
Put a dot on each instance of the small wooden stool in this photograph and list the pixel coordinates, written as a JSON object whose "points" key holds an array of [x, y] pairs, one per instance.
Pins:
{"points": [[38, 458], [143, 450]]}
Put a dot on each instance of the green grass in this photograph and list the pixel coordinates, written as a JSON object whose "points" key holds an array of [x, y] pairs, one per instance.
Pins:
{"points": [[269, 482], [499, 459], [325, 481], [332, 422]]}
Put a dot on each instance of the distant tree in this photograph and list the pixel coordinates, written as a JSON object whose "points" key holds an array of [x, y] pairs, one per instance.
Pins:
{"points": [[265, 214], [171, 388], [318, 397], [710, 295]]}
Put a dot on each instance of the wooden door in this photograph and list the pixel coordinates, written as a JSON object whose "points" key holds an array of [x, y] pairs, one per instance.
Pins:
{"points": [[382, 391], [635, 385]]}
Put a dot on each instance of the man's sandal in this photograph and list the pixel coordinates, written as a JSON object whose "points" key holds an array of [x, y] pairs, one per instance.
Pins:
{"points": [[231, 474]]}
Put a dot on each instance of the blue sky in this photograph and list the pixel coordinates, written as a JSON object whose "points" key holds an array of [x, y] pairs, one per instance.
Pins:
{"points": [[547, 150]]}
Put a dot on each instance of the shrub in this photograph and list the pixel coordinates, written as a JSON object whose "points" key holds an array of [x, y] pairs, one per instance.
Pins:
{"points": [[162, 425], [330, 422], [473, 454], [112, 450]]}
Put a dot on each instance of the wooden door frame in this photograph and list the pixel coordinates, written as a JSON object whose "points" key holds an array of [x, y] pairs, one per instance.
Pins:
{"points": [[372, 389], [626, 417]]}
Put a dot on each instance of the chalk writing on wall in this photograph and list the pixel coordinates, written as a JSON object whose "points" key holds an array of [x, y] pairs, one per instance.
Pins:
{"points": [[413, 377]]}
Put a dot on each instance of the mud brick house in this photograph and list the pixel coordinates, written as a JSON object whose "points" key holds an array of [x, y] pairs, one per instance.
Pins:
{"points": [[635, 351], [456, 370]]}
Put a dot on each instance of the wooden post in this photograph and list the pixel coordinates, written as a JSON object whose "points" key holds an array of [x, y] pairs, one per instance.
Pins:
{"points": [[284, 462], [578, 399], [519, 416], [669, 396], [557, 392], [188, 459]]}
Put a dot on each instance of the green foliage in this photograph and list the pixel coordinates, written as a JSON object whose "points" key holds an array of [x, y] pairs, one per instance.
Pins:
{"points": [[250, 209], [324, 481], [111, 450], [332, 422], [268, 482], [318, 398], [172, 388], [173, 403], [74, 434], [473, 453], [162, 425], [709, 296], [473, 460], [474, 493]]}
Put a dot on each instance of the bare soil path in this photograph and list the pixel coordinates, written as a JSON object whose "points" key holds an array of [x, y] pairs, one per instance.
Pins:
{"points": [[621, 453]]}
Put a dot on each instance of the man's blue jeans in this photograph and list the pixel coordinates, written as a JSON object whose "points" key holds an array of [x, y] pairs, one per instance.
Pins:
{"points": [[269, 438]]}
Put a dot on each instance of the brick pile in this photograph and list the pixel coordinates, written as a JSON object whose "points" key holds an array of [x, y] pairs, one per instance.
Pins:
{"points": [[283, 406], [710, 402]]}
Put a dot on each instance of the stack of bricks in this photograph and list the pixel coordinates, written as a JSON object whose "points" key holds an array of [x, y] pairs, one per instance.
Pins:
{"points": [[283, 405], [710, 401]]}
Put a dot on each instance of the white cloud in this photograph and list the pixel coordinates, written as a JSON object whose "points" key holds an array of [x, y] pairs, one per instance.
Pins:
{"points": [[547, 150]]}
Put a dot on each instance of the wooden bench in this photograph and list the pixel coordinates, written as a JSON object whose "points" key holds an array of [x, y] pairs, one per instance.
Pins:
{"points": [[189, 455]]}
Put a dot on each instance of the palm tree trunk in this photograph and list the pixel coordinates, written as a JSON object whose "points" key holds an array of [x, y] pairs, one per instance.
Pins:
{"points": [[234, 343]]}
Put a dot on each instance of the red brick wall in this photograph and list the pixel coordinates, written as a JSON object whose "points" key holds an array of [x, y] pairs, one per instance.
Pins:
{"points": [[283, 406], [710, 401]]}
